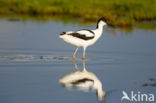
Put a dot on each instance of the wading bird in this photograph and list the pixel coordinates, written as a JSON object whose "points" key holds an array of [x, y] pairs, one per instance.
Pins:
{"points": [[84, 38]]}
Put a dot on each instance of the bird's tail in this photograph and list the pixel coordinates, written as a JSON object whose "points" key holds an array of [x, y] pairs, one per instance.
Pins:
{"points": [[62, 33]]}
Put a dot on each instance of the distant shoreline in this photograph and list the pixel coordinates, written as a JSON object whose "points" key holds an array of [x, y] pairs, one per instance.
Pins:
{"points": [[120, 13]]}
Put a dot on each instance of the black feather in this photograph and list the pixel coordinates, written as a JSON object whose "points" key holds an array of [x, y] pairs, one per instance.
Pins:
{"points": [[82, 81], [88, 31], [63, 33], [81, 36], [101, 19]]}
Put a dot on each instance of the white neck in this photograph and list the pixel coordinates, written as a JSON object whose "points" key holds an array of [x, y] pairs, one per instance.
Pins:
{"points": [[98, 31], [100, 24], [100, 28]]}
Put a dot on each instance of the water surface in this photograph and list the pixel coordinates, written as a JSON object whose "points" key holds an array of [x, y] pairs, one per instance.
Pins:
{"points": [[33, 59]]}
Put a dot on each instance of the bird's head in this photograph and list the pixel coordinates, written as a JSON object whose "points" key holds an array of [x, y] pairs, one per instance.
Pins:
{"points": [[101, 22]]}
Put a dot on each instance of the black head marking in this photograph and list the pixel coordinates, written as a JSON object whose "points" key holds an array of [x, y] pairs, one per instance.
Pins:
{"points": [[101, 19]]}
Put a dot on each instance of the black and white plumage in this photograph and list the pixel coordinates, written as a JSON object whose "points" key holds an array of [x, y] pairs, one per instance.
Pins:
{"points": [[84, 38], [85, 81]]}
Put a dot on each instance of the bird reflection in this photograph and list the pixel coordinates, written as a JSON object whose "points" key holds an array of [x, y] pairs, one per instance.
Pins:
{"points": [[83, 80]]}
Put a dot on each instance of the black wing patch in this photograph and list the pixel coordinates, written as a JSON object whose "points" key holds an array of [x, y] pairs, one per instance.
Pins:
{"points": [[81, 36], [82, 81], [87, 30]]}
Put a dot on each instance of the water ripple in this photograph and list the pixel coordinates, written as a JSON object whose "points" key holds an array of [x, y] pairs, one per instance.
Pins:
{"points": [[23, 58], [40, 58]]}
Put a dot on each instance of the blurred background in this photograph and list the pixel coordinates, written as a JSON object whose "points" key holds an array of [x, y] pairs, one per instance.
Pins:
{"points": [[120, 13]]}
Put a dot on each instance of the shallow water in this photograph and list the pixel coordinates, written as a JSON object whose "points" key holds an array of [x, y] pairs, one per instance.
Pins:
{"points": [[33, 59]]}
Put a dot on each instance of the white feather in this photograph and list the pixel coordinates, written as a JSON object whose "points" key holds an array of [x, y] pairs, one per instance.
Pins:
{"points": [[86, 33], [85, 37]]}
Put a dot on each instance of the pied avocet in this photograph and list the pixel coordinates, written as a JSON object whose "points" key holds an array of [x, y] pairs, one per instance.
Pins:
{"points": [[84, 38]]}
